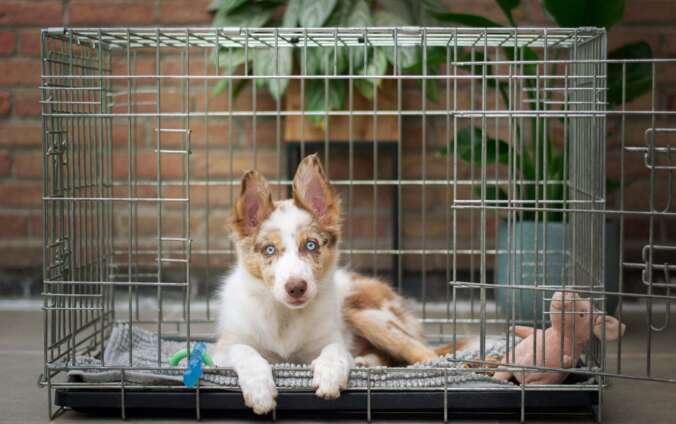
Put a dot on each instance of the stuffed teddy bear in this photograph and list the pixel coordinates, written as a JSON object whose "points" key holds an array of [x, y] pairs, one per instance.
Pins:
{"points": [[568, 313]]}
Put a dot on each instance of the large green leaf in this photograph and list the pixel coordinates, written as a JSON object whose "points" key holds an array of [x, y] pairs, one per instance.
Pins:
{"points": [[386, 18], [478, 68], [435, 57], [222, 85], [507, 6], [525, 54], [408, 56], [469, 142], [267, 63], [316, 101], [292, 13], [396, 13], [360, 16], [246, 15], [612, 185], [315, 12], [377, 66], [581, 13], [465, 19], [421, 10], [224, 5], [403, 8], [320, 61], [229, 59], [638, 74], [340, 15]]}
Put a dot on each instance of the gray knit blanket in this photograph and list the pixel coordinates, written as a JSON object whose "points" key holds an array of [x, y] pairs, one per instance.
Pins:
{"points": [[144, 355]]}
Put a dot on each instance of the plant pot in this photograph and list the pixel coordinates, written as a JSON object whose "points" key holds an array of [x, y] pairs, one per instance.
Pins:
{"points": [[519, 268]]}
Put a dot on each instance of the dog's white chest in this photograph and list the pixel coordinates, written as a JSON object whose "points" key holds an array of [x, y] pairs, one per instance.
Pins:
{"points": [[286, 337]]}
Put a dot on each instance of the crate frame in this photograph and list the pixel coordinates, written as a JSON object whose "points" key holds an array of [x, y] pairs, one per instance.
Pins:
{"points": [[80, 288]]}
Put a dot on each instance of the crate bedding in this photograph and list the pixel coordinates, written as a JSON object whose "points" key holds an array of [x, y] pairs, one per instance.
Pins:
{"points": [[144, 355]]}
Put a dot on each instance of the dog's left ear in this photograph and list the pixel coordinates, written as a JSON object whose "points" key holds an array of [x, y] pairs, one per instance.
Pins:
{"points": [[313, 192]]}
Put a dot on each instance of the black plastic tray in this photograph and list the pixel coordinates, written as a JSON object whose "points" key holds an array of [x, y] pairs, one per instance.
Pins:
{"points": [[351, 402]]}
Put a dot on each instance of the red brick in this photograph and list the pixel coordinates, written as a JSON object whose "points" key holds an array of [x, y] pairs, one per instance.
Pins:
{"points": [[436, 227], [170, 101], [143, 65], [216, 103], [171, 65], [27, 103], [28, 164], [650, 11], [671, 102], [172, 165], [629, 34], [20, 133], [20, 193], [29, 42], [13, 225], [121, 134], [4, 103], [109, 12], [22, 257], [5, 164], [7, 42], [43, 13], [218, 196], [184, 12], [637, 194], [24, 72], [362, 226], [217, 132], [35, 225], [219, 164]]}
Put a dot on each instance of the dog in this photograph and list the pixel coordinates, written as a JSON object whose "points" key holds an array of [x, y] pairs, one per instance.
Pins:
{"points": [[286, 299]]}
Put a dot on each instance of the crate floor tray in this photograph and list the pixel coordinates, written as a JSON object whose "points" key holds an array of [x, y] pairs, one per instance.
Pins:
{"points": [[352, 402], [414, 389]]}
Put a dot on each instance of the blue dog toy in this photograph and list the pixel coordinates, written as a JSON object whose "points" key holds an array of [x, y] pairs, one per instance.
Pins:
{"points": [[193, 371]]}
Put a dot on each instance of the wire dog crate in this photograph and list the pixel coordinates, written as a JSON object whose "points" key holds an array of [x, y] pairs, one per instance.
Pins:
{"points": [[475, 182]]}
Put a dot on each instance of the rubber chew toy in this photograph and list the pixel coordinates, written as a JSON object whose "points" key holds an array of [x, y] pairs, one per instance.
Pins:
{"points": [[198, 356]]}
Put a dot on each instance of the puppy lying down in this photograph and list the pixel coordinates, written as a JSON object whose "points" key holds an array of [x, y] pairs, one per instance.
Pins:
{"points": [[287, 301]]}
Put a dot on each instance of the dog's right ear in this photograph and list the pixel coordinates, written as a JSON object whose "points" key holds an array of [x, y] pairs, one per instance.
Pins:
{"points": [[253, 205]]}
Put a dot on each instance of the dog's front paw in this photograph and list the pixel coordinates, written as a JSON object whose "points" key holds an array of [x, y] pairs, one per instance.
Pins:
{"points": [[259, 392], [329, 378]]}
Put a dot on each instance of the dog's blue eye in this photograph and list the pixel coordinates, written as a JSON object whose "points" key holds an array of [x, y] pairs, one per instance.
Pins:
{"points": [[311, 245], [269, 250]]}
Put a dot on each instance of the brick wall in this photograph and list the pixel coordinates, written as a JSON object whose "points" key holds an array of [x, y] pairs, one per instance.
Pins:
{"points": [[20, 124]]}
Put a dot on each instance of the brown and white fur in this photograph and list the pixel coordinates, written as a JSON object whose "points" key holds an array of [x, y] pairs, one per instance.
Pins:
{"points": [[287, 301]]}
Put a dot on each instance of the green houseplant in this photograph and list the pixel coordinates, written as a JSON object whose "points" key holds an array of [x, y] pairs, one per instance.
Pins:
{"points": [[542, 149], [313, 14]]}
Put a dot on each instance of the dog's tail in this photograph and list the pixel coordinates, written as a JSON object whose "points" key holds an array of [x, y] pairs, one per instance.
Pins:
{"points": [[452, 347]]}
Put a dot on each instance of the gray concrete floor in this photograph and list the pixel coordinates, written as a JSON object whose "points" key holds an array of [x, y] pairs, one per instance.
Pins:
{"points": [[625, 401]]}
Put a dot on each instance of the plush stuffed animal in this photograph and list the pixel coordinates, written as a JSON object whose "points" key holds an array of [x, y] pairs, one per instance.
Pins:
{"points": [[568, 313]]}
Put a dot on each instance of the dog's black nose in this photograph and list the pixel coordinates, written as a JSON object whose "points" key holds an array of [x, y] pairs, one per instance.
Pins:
{"points": [[296, 287]]}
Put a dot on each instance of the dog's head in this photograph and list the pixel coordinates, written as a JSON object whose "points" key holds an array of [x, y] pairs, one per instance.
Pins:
{"points": [[289, 245]]}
